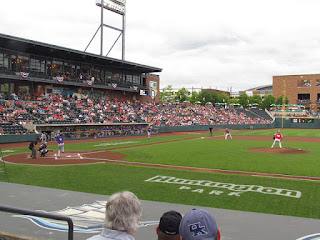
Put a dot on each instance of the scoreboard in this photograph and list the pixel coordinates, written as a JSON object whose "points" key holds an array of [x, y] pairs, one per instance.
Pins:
{"points": [[302, 120]]}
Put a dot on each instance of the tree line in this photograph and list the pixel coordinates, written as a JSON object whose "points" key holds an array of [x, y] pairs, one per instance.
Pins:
{"points": [[206, 97]]}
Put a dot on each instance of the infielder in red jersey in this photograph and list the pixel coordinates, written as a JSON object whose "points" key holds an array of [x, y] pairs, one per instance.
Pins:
{"points": [[226, 134], [277, 138]]}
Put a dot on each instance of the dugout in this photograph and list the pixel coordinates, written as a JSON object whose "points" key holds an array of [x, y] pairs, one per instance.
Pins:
{"points": [[94, 130], [29, 68]]}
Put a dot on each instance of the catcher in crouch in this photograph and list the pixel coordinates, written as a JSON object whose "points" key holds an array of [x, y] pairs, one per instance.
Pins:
{"points": [[43, 149], [277, 138]]}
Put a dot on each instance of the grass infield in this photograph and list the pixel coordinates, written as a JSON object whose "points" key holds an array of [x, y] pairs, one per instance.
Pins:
{"points": [[108, 178]]}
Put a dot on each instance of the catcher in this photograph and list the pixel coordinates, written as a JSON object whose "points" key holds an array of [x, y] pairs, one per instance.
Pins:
{"points": [[43, 149], [277, 138]]}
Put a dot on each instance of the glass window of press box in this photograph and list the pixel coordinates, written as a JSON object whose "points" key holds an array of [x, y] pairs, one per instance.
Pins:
{"points": [[41, 66], [304, 83]]}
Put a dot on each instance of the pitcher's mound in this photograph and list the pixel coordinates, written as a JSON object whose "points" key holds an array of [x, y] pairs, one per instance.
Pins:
{"points": [[278, 150]]}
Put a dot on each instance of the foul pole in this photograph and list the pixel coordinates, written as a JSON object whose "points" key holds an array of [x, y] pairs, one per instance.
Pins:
{"points": [[283, 101]]}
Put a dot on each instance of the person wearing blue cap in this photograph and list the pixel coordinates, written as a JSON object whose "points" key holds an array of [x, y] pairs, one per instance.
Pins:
{"points": [[199, 224]]}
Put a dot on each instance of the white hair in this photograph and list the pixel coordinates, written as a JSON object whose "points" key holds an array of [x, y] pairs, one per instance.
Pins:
{"points": [[123, 211]]}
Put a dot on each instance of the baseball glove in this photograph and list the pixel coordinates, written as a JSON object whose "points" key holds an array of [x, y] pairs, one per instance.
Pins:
{"points": [[274, 137]]}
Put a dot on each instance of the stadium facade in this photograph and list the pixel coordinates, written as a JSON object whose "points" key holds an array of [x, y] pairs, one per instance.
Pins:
{"points": [[34, 68], [301, 89]]}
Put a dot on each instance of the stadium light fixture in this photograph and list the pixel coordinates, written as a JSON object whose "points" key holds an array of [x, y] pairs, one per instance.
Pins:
{"points": [[116, 6]]}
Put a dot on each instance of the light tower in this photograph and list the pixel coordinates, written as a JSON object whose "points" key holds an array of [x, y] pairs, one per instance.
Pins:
{"points": [[118, 7]]}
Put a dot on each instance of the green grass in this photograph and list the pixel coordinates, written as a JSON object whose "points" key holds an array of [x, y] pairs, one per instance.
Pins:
{"points": [[230, 155], [286, 132], [108, 178]]}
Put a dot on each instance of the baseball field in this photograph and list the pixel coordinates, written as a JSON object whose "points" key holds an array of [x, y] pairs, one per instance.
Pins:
{"points": [[188, 168]]}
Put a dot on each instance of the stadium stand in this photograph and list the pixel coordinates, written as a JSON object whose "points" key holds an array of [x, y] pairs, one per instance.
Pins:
{"points": [[16, 114], [260, 112]]}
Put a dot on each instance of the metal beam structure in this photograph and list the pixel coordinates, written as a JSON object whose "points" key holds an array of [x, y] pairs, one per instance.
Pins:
{"points": [[118, 7]]}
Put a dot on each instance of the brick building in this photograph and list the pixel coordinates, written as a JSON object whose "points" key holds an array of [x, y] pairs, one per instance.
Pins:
{"points": [[217, 91], [300, 89]]}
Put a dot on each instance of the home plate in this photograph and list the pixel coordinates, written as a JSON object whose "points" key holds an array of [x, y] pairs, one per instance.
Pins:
{"points": [[69, 156]]}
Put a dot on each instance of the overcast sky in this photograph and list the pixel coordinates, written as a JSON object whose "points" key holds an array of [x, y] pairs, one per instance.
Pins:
{"points": [[218, 44]]}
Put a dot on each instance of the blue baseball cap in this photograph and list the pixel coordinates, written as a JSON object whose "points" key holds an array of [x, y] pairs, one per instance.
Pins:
{"points": [[198, 224]]}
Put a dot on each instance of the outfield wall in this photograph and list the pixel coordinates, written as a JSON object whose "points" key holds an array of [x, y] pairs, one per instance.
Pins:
{"points": [[164, 129], [278, 123], [18, 138], [297, 123]]}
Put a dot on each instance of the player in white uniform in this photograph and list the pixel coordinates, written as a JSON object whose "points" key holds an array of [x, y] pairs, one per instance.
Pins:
{"points": [[226, 134]]}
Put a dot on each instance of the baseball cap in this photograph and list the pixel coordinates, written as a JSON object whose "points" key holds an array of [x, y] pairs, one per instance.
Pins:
{"points": [[169, 222], [198, 224]]}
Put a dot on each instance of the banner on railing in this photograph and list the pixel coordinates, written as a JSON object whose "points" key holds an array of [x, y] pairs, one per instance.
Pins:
{"points": [[60, 79], [24, 74]]}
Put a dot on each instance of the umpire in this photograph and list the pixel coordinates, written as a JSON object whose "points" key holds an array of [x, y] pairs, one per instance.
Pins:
{"points": [[32, 147]]}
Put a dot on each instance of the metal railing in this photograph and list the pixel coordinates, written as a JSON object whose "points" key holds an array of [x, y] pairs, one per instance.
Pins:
{"points": [[41, 214]]}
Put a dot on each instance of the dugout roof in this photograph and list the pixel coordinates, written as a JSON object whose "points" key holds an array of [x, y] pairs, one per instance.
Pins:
{"points": [[49, 50]]}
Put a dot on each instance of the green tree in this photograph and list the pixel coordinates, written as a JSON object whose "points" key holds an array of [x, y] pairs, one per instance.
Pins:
{"points": [[166, 95], [223, 98], [194, 96], [255, 99], [244, 100], [182, 95], [205, 96], [267, 101], [214, 97], [280, 100]]}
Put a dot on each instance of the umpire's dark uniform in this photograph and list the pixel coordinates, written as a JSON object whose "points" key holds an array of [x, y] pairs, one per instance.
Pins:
{"points": [[32, 147]]}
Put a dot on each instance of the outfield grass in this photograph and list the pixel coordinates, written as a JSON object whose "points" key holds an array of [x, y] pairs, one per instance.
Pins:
{"points": [[229, 155], [107, 178], [286, 132]]}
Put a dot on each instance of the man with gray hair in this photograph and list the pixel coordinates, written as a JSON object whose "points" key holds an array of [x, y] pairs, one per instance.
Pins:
{"points": [[123, 212]]}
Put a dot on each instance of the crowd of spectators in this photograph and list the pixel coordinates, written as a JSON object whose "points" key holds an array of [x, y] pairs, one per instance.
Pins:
{"points": [[54, 108]]}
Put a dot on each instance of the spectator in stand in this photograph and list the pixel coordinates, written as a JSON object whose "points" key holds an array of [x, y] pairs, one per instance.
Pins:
{"points": [[168, 228], [199, 224], [123, 212]]}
